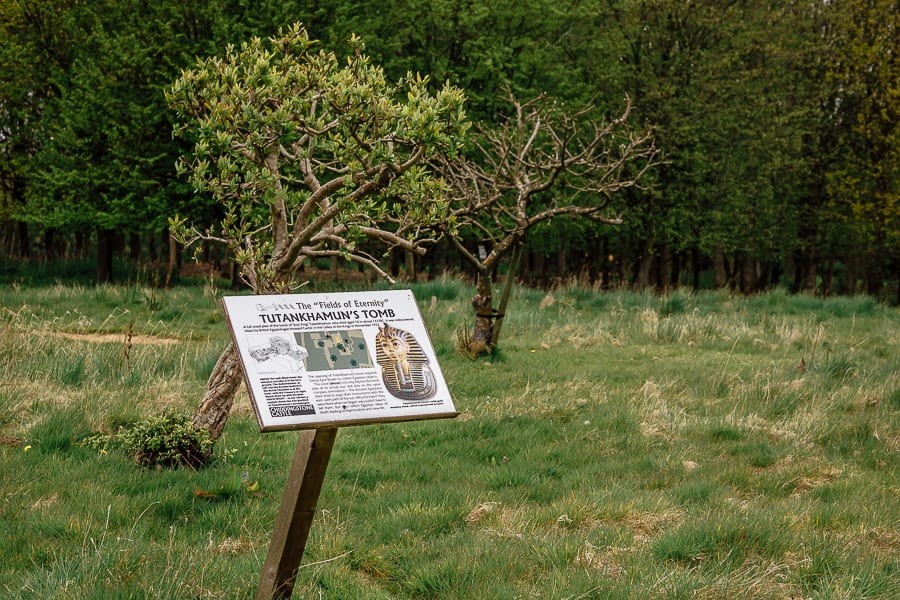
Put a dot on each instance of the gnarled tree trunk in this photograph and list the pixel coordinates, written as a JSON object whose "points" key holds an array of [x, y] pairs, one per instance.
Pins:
{"points": [[223, 384], [483, 333]]}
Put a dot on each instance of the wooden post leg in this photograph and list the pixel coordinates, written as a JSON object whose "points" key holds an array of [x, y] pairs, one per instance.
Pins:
{"points": [[298, 507]]}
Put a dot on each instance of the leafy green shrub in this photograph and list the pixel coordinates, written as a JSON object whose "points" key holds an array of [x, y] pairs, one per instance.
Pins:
{"points": [[166, 440]]}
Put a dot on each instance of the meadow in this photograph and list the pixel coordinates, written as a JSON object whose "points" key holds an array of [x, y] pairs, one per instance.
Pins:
{"points": [[619, 445]]}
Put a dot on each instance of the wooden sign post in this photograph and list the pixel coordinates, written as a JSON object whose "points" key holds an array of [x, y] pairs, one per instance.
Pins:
{"points": [[298, 507], [315, 362]]}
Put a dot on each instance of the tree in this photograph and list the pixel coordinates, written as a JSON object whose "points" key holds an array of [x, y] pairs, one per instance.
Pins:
{"points": [[91, 104], [85, 132], [864, 181], [730, 91], [542, 162], [529, 45], [32, 45], [308, 159], [664, 66], [85, 114]]}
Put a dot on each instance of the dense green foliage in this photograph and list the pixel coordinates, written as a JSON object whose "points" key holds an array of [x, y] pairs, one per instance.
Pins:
{"points": [[309, 156], [621, 445], [164, 440], [779, 122]]}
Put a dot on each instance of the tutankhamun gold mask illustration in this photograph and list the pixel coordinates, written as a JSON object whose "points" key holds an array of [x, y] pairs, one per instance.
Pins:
{"points": [[404, 366]]}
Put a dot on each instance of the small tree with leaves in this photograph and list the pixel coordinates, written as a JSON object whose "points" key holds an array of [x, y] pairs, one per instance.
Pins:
{"points": [[308, 157], [540, 163]]}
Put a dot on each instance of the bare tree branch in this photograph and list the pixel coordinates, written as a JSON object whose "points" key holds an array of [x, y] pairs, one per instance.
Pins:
{"points": [[540, 163]]}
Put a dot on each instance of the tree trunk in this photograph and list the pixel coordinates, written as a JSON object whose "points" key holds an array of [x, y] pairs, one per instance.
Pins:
{"points": [[223, 383], [438, 257], [104, 255], [410, 258], [720, 273], [605, 264], [807, 270], [395, 258], [514, 261], [873, 276], [675, 263], [483, 303], [645, 264], [851, 275], [665, 264], [811, 274], [16, 243], [749, 281], [82, 246], [789, 270], [696, 265], [24, 242], [48, 243], [562, 265], [134, 247], [766, 272], [828, 278], [537, 266], [174, 270]]}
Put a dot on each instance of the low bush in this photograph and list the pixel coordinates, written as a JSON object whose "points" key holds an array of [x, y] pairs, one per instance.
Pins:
{"points": [[166, 440]]}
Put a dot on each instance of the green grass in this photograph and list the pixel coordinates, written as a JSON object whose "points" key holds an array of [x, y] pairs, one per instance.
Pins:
{"points": [[619, 445]]}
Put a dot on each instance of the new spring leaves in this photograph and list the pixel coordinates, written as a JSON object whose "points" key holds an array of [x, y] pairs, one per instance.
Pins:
{"points": [[310, 158]]}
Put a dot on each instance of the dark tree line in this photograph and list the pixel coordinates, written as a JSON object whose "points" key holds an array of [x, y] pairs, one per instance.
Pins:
{"points": [[777, 122]]}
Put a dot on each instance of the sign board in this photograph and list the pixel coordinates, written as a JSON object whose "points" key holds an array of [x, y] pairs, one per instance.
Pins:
{"points": [[333, 359]]}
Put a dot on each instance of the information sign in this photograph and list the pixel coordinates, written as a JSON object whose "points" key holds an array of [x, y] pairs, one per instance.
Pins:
{"points": [[333, 359]]}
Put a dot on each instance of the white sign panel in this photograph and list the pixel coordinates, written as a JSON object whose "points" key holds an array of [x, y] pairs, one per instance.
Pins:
{"points": [[315, 360]]}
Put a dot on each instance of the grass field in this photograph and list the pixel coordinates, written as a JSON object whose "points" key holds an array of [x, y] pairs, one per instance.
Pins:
{"points": [[621, 445]]}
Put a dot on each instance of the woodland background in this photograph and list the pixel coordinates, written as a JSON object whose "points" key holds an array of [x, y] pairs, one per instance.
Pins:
{"points": [[777, 121]]}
